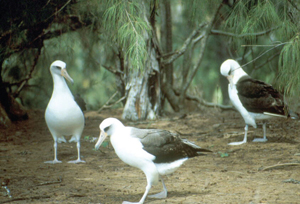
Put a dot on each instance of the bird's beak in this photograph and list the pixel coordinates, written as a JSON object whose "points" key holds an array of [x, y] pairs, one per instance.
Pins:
{"points": [[65, 74], [102, 137], [230, 79]]}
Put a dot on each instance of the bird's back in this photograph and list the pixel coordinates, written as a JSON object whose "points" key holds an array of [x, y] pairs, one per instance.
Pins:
{"points": [[170, 147], [259, 97]]}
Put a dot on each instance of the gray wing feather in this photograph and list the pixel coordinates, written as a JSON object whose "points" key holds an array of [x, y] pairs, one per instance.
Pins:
{"points": [[155, 137]]}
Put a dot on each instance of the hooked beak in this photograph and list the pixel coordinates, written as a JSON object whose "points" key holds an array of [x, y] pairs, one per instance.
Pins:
{"points": [[65, 74], [102, 137]]}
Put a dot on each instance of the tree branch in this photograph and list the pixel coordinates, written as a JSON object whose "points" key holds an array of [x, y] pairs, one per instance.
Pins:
{"points": [[183, 48], [59, 10], [275, 46], [171, 96], [219, 32], [106, 105], [267, 61], [294, 5], [75, 24], [205, 103], [279, 165], [29, 76], [202, 49]]}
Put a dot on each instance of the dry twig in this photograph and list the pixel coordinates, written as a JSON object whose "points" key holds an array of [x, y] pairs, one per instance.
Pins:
{"points": [[107, 102], [279, 165]]}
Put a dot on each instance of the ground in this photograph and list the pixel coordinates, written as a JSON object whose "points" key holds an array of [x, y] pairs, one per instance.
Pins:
{"points": [[231, 174]]}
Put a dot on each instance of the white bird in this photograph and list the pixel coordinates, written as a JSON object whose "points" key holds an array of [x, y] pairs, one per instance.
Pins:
{"points": [[155, 152], [63, 116], [254, 99]]}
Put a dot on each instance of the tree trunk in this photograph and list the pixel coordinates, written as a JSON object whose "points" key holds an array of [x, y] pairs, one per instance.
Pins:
{"points": [[143, 90], [10, 109], [167, 38]]}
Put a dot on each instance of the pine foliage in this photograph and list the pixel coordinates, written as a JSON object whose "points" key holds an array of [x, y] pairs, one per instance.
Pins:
{"points": [[126, 23], [289, 67], [281, 18]]}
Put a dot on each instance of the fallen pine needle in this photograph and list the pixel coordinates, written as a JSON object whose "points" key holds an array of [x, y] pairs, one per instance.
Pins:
{"points": [[279, 165]]}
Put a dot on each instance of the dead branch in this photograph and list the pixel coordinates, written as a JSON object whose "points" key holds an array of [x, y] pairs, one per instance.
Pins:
{"points": [[178, 53], [59, 10], [29, 76], [59, 180], [279, 165], [107, 102], [206, 103], [197, 39], [112, 70], [109, 68], [206, 34], [219, 32], [264, 63], [262, 54]]}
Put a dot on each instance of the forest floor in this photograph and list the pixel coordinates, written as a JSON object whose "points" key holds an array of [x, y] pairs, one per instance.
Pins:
{"points": [[232, 174]]}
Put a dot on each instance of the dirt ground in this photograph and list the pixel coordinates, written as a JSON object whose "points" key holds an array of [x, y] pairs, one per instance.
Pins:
{"points": [[232, 174]]}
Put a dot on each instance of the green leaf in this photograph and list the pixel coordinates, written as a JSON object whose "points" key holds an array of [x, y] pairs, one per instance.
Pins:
{"points": [[105, 144], [223, 154]]}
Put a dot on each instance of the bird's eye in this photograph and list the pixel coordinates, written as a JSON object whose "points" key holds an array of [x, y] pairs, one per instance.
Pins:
{"points": [[57, 67], [229, 73], [106, 129]]}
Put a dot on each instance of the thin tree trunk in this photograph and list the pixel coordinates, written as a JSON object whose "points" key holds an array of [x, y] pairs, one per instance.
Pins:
{"points": [[167, 38], [143, 90]]}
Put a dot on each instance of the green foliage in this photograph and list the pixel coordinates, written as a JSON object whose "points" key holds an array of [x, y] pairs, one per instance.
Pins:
{"points": [[250, 17], [223, 154], [105, 144], [281, 20], [123, 25], [289, 67], [196, 11], [125, 22]]}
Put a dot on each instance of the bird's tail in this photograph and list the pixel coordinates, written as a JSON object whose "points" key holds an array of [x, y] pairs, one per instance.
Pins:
{"points": [[199, 150], [291, 114], [274, 114]]}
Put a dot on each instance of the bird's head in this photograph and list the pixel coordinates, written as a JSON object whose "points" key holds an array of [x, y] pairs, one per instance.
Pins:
{"points": [[59, 68], [232, 71], [107, 127]]}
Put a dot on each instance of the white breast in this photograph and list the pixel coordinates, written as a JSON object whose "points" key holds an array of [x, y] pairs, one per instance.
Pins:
{"points": [[64, 116]]}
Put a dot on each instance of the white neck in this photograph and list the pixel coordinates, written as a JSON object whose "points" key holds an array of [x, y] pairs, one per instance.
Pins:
{"points": [[60, 85], [238, 73]]}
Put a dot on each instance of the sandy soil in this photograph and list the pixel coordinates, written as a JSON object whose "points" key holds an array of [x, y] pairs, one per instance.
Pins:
{"points": [[232, 174]]}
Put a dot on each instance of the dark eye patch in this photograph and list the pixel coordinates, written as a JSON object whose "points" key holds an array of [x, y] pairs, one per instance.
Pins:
{"points": [[57, 67], [229, 73], [106, 129]]}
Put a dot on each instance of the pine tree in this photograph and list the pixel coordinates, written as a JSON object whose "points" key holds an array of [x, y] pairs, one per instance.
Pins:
{"points": [[263, 31]]}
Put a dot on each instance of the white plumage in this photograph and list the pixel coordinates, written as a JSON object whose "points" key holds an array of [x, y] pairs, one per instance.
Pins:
{"points": [[63, 116], [155, 152]]}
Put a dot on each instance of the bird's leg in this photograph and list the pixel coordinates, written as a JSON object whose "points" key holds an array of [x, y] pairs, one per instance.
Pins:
{"points": [[148, 187], [162, 194], [78, 151], [264, 139], [55, 155], [244, 140]]}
